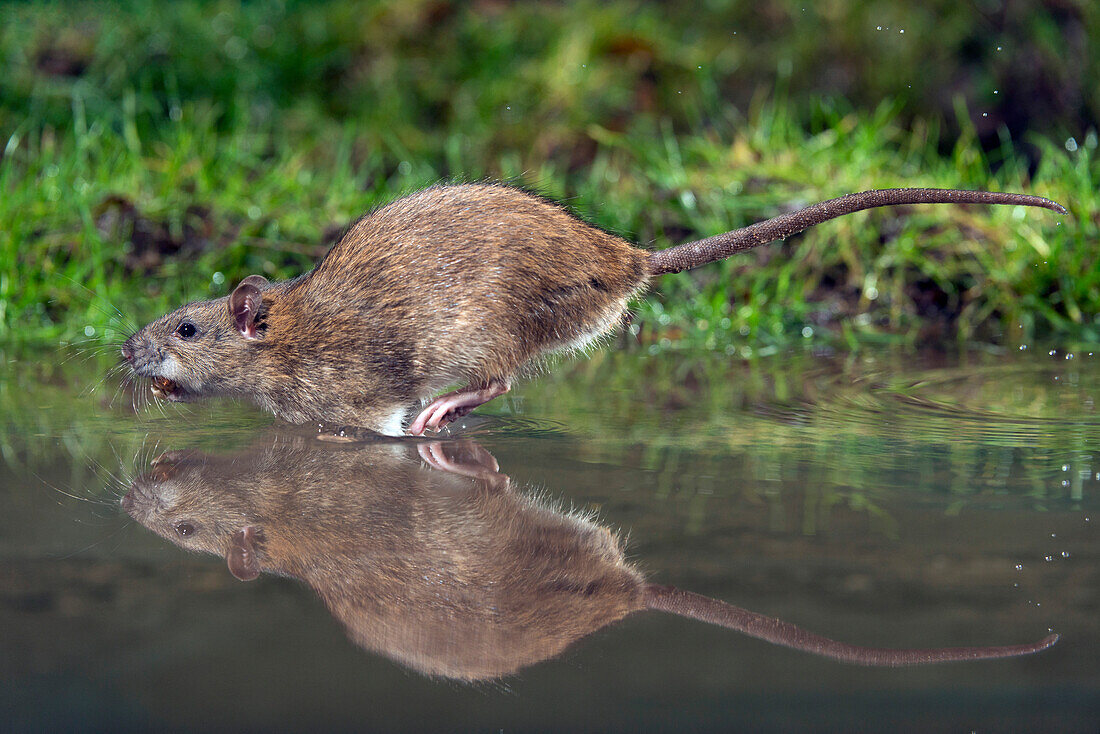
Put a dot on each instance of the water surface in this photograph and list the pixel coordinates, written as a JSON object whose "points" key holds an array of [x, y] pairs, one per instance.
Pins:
{"points": [[888, 500]]}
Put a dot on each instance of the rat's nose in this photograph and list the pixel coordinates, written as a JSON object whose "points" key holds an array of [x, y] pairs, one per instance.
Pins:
{"points": [[127, 352]]}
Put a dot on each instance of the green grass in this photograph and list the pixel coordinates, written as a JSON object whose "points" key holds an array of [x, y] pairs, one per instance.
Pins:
{"points": [[153, 158]]}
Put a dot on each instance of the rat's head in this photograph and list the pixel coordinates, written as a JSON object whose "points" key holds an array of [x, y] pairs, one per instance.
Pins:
{"points": [[179, 499], [200, 348], [183, 498]]}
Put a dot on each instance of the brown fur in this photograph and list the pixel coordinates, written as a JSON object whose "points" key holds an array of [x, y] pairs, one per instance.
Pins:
{"points": [[447, 574], [447, 570], [451, 285]]}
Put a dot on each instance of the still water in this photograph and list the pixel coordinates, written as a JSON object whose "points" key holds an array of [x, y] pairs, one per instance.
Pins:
{"points": [[204, 567]]}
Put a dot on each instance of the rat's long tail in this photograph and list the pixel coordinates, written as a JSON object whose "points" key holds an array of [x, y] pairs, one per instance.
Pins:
{"points": [[686, 604], [693, 254]]}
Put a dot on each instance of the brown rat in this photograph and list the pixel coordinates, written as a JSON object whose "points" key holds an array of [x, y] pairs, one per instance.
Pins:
{"points": [[427, 554], [455, 284]]}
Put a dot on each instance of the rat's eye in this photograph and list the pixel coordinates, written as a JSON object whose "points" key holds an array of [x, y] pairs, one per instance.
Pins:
{"points": [[186, 330], [185, 529]]}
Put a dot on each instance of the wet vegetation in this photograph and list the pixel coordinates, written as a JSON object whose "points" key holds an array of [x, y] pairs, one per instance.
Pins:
{"points": [[152, 158]]}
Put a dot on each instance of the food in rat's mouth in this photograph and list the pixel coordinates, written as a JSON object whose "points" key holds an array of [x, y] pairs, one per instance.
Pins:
{"points": [[163, 387]]}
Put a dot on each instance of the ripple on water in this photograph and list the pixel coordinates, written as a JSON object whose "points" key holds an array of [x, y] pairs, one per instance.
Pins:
{"points": [[1013, 425], [959, 402]]}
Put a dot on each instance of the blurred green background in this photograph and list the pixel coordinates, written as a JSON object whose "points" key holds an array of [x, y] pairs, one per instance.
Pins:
{"points": [[157, 153]]}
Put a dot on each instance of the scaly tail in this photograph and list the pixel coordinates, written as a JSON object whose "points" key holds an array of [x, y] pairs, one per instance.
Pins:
{"points": [[686, 604], [693, 254]]}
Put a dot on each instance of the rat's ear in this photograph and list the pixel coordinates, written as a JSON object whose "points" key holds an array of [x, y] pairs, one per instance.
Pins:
{"points": [[241, 556], [244, 304]]}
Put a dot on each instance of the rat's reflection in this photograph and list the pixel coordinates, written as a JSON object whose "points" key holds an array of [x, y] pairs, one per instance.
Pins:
{"points": [[429, 555]]}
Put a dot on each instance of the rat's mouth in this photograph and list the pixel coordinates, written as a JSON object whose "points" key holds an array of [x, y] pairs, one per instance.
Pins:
{"points": [[165, 389]]}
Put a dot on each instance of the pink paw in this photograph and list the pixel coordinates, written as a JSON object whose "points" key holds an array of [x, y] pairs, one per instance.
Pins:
{"points": [[453, 405]]}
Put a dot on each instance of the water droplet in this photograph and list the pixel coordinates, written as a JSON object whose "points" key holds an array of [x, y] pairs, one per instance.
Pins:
{"points": [[1065, 467], [1071, 144], [985, 114], [1048, 559], [1054, 535], [807, 332], [1019, 567], [89, 330], [1065, 554], [878, 28], [999, 48], [218, 277], [1052, 352]]}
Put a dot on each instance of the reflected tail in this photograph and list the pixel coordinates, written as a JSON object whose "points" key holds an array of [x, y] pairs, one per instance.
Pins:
{"points": [[686, 604]]}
